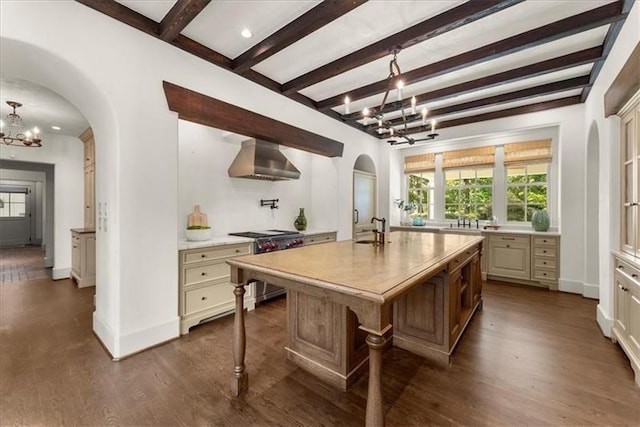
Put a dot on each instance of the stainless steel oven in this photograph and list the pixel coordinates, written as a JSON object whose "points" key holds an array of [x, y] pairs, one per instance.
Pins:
{"points": [[269, 241]]}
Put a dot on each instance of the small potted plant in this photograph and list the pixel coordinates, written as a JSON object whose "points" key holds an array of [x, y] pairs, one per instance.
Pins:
{"points": [[407, 210], [419, 218]]}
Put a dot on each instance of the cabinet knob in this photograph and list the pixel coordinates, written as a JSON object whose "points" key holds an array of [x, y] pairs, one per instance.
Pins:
{"points": [[204, 298], [545, 240], [508, 246], [237, 251], [634, 276], [544, 252], [203, 256], [203, 274], [544, 262]]}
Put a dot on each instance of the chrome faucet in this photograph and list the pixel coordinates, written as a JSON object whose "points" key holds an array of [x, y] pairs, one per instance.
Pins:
{"points": [[379, 235]]}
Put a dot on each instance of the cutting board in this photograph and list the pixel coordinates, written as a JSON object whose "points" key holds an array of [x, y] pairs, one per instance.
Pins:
{"points": [[197, 217]]}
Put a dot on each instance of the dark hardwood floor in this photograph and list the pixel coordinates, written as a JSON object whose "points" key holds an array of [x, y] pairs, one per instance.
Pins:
{"points": [[531, 357]]}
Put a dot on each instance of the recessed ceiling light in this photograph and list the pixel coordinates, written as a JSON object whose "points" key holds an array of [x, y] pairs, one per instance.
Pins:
{"points": [[55, 127], [246, 33]]}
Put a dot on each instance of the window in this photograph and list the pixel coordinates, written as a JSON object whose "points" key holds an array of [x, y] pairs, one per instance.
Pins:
{"points": [[468, 193], [421, 189], [526, 191], [12, 205]]}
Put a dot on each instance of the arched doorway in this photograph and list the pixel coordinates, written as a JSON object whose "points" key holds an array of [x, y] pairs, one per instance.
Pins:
{"points": [[592, 238], [364, 195]]}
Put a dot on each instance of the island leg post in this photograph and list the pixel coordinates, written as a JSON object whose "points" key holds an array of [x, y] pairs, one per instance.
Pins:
{"points": [[240, 378], [375, 407]]}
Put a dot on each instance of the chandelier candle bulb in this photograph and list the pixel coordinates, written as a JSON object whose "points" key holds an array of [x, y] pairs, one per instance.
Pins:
{"points": [[413, 105], [424, 116], [433, 126], [400, 85], [347, 107]]}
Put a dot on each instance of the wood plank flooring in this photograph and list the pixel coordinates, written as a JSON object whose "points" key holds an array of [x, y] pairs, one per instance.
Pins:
{"points": [[531, 357]]}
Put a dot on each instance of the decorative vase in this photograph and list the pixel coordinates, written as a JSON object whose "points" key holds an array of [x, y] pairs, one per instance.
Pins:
{"points": [[301, 221], [418, 220], [540, 220]]}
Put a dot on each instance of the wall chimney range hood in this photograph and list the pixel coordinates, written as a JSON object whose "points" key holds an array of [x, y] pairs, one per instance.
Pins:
{"points": [[263, 160]]}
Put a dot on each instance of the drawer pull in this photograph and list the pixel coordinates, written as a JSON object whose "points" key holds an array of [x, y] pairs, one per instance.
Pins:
{"points": [[204, 298], [635, 276], [544, 262], [508, 246], [621, 267], [545, 240], [508, 238], [237, 251], [203, 256], [544, 252], [203, 274]]}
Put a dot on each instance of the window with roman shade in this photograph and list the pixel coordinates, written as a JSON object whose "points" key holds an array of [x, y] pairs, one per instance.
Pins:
{"points": [[420, 173], [527, 168]]}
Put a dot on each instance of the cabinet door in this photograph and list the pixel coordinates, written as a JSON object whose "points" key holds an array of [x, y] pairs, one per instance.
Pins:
{"points": [[510, 259], [476, 280], [89, 197], [75, 254], [455, 283], [630, 180], [621, 305], [633, 294]]}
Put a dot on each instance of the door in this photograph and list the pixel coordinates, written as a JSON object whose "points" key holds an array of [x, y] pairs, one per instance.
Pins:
{"points": [[15, 215], [364, 201]]}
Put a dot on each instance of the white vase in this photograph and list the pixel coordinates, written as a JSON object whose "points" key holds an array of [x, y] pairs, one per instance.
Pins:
{"points": [[198, 235]]}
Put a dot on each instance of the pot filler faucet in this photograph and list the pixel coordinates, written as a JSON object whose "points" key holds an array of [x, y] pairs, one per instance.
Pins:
{"points": [[379, 235]]}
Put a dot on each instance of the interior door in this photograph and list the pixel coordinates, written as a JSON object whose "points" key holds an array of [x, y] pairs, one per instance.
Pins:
{"points": [[364, 201], [15, 216]]}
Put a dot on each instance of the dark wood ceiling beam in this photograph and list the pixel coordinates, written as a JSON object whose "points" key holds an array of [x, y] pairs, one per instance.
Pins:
{"points": [[198, 108], [312, 20], [528, 71], [566, 27], [625, 85], [609, 40], [449, 20], [123, 14], [518, 95], [180, 15], [516, 111]]}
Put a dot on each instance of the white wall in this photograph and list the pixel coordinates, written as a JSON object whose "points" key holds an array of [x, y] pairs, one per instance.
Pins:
{"points": [[609, 169], [113, 74], [67, 155], [233, 204]]}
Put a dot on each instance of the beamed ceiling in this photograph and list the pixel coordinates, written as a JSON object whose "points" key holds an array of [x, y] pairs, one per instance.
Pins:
{"points": [[465, 61]]}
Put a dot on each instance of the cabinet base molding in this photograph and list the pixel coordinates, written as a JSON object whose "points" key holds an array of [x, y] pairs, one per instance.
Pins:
{"points": [[618, 338], [60, 273], [326, 374], [83, 282], [550, 286]]}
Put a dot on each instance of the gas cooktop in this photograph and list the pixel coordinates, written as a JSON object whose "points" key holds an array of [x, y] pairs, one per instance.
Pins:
{"points": [[264, 233]]}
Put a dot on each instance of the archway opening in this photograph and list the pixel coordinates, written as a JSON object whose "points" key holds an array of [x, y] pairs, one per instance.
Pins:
{"points": [[364, 196], [592, 259]]}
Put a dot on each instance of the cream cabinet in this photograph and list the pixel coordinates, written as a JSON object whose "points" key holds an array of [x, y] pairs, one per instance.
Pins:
{"points": [[626, 325], [205, 289], [315, 238], [89, 179], [509, 256], [630, 180], [83, 256], [529, 259]]}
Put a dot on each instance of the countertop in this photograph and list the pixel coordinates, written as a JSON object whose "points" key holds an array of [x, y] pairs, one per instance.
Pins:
{"points": [[312, 231], [213, 241], [376, 273], [83, 230], [474, 231]]}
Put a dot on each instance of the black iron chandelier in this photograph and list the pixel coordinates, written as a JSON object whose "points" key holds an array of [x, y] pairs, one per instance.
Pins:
{"points": [[15, 135], [399, 135]]}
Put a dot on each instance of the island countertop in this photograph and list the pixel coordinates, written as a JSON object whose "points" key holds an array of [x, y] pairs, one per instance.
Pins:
{"points": [[377, 273]]}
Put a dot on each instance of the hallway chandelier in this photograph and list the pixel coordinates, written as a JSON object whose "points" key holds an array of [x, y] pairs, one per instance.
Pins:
{"points": [[14, 135], [398, 135]]}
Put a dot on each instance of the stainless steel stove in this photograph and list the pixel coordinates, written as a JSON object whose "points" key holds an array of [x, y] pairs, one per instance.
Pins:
{"points": [[269, 241]]}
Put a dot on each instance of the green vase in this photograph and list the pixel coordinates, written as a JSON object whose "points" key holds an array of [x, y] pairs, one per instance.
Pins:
{"points": [[540, 220], [301, 221]]}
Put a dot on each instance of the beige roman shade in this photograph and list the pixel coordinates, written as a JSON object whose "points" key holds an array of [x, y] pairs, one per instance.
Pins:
{"points": [[527, 152], [483, 156], [420, 163]]}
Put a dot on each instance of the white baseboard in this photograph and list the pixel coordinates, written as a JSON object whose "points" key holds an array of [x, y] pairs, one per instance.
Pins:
{"points": [[571, 286], [591, 291], [48, 262], [140, 340], [60, 273], [605, 322], [104, 334], [127, 345]]}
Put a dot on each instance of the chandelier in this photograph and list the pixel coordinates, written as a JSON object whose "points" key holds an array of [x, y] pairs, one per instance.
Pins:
{"points": [[398, 135], [14, 134]]}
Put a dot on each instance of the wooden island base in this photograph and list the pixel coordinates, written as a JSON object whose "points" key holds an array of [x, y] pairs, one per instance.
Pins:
{"points": [[324, 337]]}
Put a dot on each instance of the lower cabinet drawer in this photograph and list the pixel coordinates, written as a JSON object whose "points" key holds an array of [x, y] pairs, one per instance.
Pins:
{"points": [[544, 251], [204, 273], [209, 297], [544, 274], [544, 263]]}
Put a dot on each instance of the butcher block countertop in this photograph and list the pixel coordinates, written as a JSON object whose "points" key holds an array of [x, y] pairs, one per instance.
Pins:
{"points": [[377, 273]]}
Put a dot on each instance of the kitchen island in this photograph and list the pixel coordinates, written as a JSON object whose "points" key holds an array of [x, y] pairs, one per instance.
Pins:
{"points": [[427, 285]]}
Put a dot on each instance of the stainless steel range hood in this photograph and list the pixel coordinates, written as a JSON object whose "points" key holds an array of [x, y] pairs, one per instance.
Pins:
{"points": [[262, 160]]}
